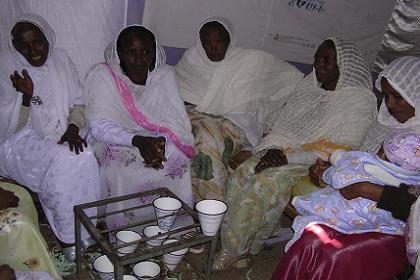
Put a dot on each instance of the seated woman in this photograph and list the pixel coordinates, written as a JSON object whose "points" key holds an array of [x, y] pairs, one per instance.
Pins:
{"points": [[40, 109], [323, 253], [22, 245], [400, 165], [234, 95], [331, 108], [142, 132]]}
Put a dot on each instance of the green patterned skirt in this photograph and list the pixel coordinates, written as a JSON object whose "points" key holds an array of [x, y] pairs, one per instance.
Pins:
{"points": [[216, 141], [256, 203]]}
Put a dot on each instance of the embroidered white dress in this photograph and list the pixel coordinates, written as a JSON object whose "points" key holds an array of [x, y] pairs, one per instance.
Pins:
{"points": [[113, 127], [31, 156]]}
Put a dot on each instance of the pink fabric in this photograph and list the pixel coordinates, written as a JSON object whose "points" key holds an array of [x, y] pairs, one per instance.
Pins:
{"points": [[141, 119], [403, 149], [325, 254]]}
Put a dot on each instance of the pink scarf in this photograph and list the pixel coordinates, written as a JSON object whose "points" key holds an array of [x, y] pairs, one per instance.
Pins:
{"points": [[141, 119]]}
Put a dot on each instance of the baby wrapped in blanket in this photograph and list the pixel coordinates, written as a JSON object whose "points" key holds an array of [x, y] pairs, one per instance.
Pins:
{"points": [[327, 206]]}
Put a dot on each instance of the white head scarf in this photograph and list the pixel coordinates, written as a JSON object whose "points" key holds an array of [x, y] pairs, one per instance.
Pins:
{"points": [[63, 85], [403, 75], [354, 71], [39, 22], [232, 44], [112, 58], [195, 70]]}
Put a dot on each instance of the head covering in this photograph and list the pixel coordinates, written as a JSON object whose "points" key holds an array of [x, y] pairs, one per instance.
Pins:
{"points": [[229, 28], [340, 116], [354, 71], [112, 58], [403, 74], [403, 149], [39, 22], [195, 70], [63, 87]]}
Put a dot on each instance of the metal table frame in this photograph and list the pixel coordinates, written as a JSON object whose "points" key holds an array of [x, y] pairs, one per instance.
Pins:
{"points": [[142, 253]]}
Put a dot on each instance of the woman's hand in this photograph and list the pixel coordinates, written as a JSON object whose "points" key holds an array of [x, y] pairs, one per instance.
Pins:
{"points": [[237, 160], [317, 169], [72, 136], [273, 158], [151, 149], [362, 189], [8, 200], [23, 84]]}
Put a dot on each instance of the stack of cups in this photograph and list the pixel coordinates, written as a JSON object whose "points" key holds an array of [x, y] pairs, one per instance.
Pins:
{"points": [[165, 210], [210, 213], [172, 259], [154, 231], [146, 270], [127, 236]]}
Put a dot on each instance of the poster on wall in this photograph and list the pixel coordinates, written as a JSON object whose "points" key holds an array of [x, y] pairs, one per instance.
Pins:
{"points": [[290, 29]]}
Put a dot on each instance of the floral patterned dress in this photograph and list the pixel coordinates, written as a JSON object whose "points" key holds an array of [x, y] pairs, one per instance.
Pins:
{"points": [[22, 245]]}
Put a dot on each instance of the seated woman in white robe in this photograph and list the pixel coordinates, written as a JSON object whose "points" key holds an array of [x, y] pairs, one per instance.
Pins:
{"points": [[234, 96], [40, 109], [142, 131], [331, 108]]}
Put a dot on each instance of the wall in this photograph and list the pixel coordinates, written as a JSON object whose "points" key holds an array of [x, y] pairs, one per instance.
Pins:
{"points": [[135, 15]]}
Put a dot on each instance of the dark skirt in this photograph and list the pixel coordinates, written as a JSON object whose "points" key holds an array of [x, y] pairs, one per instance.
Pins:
{"points": [[325, 254]]}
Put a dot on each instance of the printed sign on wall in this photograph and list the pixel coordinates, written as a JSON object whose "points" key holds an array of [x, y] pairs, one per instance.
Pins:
{"points": [[290, 29]]}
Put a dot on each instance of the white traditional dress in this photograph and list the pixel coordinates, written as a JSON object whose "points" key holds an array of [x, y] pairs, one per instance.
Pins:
{"points": [[31, 156], [117, 110], [234, 102]]}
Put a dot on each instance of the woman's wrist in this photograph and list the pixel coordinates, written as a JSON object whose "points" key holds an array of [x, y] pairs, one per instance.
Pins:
{"points": [[26, 100]]}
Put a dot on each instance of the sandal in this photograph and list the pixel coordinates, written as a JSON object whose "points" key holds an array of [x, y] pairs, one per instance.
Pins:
{"points": [[225, 260]]}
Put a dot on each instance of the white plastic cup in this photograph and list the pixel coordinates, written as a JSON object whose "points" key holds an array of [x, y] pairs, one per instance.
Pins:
{"points": [[127, 277], [165, 206], [151, 231], [147, 270], [103, 267], [126, 236], [210, 214], [172, 259]]}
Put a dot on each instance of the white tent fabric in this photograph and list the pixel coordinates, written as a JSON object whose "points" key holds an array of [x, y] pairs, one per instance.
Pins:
{"points": [[402, 36], [83, 28], [289, 29]]}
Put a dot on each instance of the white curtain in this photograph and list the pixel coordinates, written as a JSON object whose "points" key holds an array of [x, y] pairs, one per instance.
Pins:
{"points": [[82, 27], [402, 36], [290, 29]]}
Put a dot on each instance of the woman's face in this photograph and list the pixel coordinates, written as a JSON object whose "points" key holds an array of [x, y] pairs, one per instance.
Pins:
{"points": [[138, 56], [32, 44], [214, 43], [397, 106], [325, 65]]}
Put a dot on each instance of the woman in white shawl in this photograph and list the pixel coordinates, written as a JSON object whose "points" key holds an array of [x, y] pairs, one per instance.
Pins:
{"points": [[232, 92], [331, 108], [40, 105], [142, 132]]}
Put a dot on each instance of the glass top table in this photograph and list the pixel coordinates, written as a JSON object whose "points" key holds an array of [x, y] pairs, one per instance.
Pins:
{"points": [[143, 252]]}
